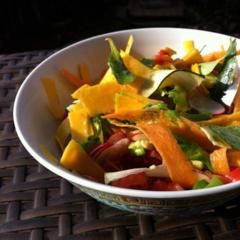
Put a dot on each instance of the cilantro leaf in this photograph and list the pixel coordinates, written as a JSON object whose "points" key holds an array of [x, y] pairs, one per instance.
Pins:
{"points": [[197, 116], [179, 97], [229, 134], [148, 62], [194, 152], [115, 62], [227, 74]]}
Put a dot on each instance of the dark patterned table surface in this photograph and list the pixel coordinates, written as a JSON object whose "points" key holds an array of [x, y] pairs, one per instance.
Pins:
{"points": [[37, 204]]}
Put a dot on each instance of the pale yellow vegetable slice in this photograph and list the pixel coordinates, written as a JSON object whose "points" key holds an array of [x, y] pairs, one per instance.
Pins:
{"points": [[75, 158], [53, 99], [80, 123], [63, 132]]}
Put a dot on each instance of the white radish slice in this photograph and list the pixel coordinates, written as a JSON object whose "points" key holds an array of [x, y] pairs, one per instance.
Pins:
{"points": [[153, 171], [232, 90], [203, 103]]}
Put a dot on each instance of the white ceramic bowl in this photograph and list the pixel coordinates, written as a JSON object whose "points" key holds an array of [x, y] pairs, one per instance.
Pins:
{"points": [[35, 125]]}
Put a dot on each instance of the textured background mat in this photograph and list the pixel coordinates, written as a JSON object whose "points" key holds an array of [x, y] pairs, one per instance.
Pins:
{"points": [[37, 204]]}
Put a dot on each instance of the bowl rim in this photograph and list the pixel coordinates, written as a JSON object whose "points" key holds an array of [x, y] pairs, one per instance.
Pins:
{"points": [[85, 183]]}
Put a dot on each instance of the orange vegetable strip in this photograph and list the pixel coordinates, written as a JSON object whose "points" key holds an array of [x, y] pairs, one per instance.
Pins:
{"points": [[224, 119], [233, 157], [219, 161], [193, 132], [85, 75], [53, 99], [179, 168], [216, 55], [75, 158], [184, 127], [213, 56], [71, 77]]}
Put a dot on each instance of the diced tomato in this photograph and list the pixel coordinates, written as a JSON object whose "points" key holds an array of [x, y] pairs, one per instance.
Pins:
{"points": [[133, 181], [167, 51], [224, 179], [160, 185], [162, 58], [234, 175]]}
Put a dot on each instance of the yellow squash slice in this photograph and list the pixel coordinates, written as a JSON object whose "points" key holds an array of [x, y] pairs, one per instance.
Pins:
{"points": [[80, 124], [219, 161], [63, 132], [53, 99], [129, 101], [99, 99], [75, 158]]}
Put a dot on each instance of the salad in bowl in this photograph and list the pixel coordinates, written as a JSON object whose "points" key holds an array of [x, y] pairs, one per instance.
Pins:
{"points": [[165, 123]]}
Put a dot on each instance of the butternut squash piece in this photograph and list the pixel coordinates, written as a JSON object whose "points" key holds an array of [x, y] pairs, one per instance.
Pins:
{"points": [[108, 77], [53, 100], [129, 101], [219, 161], [99, 98], [80, 124], [179, 168], [193, 132], [192, 54], [135, 66], [75, 158], [63, 132], [192, 57], [233, 157]]}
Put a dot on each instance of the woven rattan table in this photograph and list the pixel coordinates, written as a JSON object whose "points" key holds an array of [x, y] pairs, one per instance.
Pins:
{"points": [[37, 204]]}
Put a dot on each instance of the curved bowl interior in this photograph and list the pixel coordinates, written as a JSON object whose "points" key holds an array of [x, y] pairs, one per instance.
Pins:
{"points": [[36, 126]]}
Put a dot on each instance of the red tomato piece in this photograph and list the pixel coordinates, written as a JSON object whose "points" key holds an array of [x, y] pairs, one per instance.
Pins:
{"points": [[162, 58], [160, 185], [234, 175], [133, 181]]}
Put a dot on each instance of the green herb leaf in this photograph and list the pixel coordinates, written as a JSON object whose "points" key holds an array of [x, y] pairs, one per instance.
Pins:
{"points": [[229, 134], [173, 115], [208, 67], [197, 116], [96, 138], [194, 152], [179, 97], [148, 62], [215, 181], [115, 62], [227, 74], [214, 138], [200, 184]]}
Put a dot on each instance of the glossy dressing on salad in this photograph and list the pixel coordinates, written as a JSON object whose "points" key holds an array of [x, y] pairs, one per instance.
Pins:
{"points": [[160, 124]]}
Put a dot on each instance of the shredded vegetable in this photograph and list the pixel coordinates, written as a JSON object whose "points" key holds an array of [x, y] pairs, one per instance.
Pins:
{"points": [[159, 123]]}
